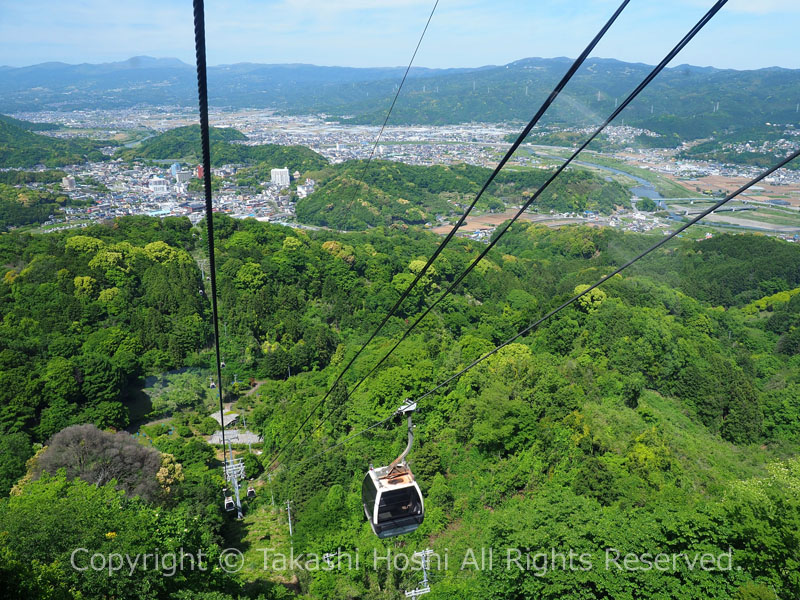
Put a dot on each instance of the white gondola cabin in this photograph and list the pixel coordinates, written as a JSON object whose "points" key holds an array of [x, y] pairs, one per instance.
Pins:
{"points": [[392, 501], [391, 497]]}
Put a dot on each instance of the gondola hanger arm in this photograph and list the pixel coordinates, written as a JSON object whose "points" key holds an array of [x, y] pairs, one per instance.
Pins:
{"points": [[406, 409]]}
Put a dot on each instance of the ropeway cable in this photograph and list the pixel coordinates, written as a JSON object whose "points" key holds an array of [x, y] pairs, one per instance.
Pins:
{"points": [[358, 184], [545, 105], [202, 93], [572, 300], [394, 101], [656, 70]]}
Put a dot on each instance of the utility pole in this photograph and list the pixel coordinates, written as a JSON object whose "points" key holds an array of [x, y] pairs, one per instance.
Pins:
{"points": [[271, 492], [424, 556], [244, 424], [289, 513], [423, 587]]}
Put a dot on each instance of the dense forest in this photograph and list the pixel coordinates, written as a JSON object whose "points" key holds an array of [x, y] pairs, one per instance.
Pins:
{"points": [[184, 143], [93, 312], [24, 206], [399, 193], [19, 147], [19, 177], [657, 415]]}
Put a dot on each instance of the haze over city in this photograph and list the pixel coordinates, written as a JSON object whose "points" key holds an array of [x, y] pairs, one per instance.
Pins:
{"points": [[361, 33]]}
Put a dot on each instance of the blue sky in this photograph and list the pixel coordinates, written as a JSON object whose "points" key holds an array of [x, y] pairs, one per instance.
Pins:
{"points": [[746, 34]]}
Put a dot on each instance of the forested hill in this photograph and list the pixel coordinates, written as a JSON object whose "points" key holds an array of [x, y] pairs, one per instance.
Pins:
{"points": [[184, 143], [399, 193], [23, 206], [658, 414], [20, 147], [27, 125]]}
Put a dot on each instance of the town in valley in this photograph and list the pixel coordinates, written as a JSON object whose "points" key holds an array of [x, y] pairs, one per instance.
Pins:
{"points": [[679, 187]]}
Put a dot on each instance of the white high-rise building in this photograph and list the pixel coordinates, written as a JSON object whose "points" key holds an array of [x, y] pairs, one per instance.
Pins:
{"points": [[280, 177], [68, 183]]}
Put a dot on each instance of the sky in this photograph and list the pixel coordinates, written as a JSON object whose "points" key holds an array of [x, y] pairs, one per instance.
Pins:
{"points": [[746, 34]]}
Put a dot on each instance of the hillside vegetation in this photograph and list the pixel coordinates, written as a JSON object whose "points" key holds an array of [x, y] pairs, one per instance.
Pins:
{"points": [[27, 125], [23, 206], [20, 147], [398, 193], [659, 414]]}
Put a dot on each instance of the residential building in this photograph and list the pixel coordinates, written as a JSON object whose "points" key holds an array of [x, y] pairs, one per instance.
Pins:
{"points": [[280, 177], [158, 185]]}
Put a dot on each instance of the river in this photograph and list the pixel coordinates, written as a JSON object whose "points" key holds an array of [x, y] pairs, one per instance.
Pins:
{"points": [[645, 189]]}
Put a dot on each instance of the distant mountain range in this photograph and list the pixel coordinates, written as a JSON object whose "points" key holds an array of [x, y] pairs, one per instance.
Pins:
{"points": [[160, 81], [684, 101]]}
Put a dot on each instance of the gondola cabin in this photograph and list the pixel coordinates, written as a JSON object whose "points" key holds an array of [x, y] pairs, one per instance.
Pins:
{"points": [[229, 504], [392, 501], [251, 492]]}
